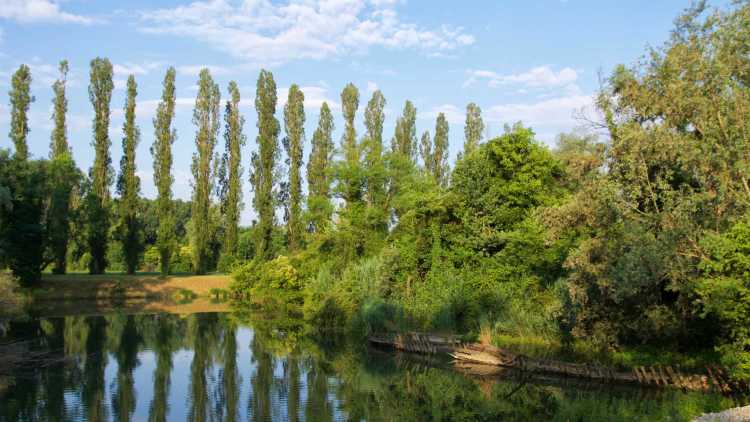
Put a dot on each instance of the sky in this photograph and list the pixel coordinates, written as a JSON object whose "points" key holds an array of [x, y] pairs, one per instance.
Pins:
{"points": [[535, 61]]}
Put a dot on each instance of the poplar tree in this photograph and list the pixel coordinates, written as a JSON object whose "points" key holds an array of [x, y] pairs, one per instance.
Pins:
{"points": [[206, 119], [101, 174], [24, 190], [405, 139], [294, 121], [64, 176], [231, 163], [349, 172], [318, 181], [440, 151], [161, 150], [375, 169], [425, 151], [263, 175], [129, 185], [473, 128], [20, 100]]}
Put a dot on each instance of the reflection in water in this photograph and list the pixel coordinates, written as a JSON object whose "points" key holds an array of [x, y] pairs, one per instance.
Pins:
{"points": [[226, 367]]}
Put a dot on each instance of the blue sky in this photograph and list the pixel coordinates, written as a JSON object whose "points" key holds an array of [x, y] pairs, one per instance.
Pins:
{"points": [[535, 61]]}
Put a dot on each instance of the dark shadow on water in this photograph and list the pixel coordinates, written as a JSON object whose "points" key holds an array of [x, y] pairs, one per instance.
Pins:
{"points": [[158, 366]]}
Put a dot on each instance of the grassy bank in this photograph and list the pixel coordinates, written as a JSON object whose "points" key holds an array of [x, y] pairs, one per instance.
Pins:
{"points": [[122, 286]]}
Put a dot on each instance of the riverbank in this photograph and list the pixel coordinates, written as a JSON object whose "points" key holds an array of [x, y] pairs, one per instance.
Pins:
{"points": [[123, 286]]}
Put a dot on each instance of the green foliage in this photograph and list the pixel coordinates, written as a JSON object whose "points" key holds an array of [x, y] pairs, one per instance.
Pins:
{"points": [[319, 207], [231, 174], [473, 128], [65, 178], [22, 221], [404, 142], [128, 186], [723, 290], [259, 278], [206, 120], [20, 100], [294, 123], [101, 174], [263, 175], [161, 150]]}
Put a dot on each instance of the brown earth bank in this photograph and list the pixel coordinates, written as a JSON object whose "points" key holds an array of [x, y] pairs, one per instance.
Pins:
{"points": [[137, 286], [96, 307]]}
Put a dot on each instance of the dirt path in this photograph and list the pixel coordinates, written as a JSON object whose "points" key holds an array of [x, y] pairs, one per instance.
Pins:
{"points": [[738, 414], [83, 286]]}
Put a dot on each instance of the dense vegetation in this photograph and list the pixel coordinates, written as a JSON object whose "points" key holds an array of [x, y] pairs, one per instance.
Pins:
{"points": [[638, 239]]}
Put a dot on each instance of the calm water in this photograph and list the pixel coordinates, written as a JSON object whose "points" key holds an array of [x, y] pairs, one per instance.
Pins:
{"points": [[227, 366]]}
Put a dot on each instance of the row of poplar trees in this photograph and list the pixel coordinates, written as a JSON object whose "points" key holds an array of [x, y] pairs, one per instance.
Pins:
{"points": [[361, 180]]}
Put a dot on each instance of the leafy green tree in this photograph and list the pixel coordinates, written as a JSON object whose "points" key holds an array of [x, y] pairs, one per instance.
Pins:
{"points": [[64, 177], [161, 150], [350, 170], [20, 99], [101, 174], [375, 169], [129, 186], [319, 205], [405, 139], [263, 175], [435, 152], [22, 230], [231, 194], [206, 119], [473, 128], [676, 181], [425, 151], [294, 123], [440, 168]]}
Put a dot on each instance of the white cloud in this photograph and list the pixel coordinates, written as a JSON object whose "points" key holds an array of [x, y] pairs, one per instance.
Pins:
{"points": [[558, 111], [195, 70], [453, 114], [264, 32], [371, 87], [40, 11], [314, 98], [128, 68], [538, 77]]}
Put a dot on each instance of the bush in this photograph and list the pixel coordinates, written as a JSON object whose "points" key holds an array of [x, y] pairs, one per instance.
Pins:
{"points": [[254, 277]]}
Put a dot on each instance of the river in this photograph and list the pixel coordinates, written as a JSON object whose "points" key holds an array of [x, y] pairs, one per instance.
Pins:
{"points": [[150, 365]]}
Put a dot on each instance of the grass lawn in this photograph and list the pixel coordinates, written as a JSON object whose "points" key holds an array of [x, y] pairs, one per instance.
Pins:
{"points": [[141, 285]]}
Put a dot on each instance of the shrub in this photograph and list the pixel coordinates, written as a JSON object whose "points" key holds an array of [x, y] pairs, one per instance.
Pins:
{"points": [[254, 277]]}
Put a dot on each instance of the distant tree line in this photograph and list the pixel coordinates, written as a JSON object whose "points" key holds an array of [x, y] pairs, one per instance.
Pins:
{"points": [[640, 239], [72, 218]]}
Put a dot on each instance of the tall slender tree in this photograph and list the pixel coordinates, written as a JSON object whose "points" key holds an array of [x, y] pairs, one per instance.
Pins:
{"points": [[440, 151], [23, 184], [473, 128], [263, 175], [20, 100], [318, 169], [101, 174], [425, 151], [349, 106], [129, 185], [59, 143], [206, 119], [350, 177], [405, 139], [161, 150], [374, 167], [294, 123], [232, 164], [64, 178]]}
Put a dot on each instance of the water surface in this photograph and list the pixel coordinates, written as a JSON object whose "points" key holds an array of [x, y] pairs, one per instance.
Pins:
{"points": [[223, 366]]}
